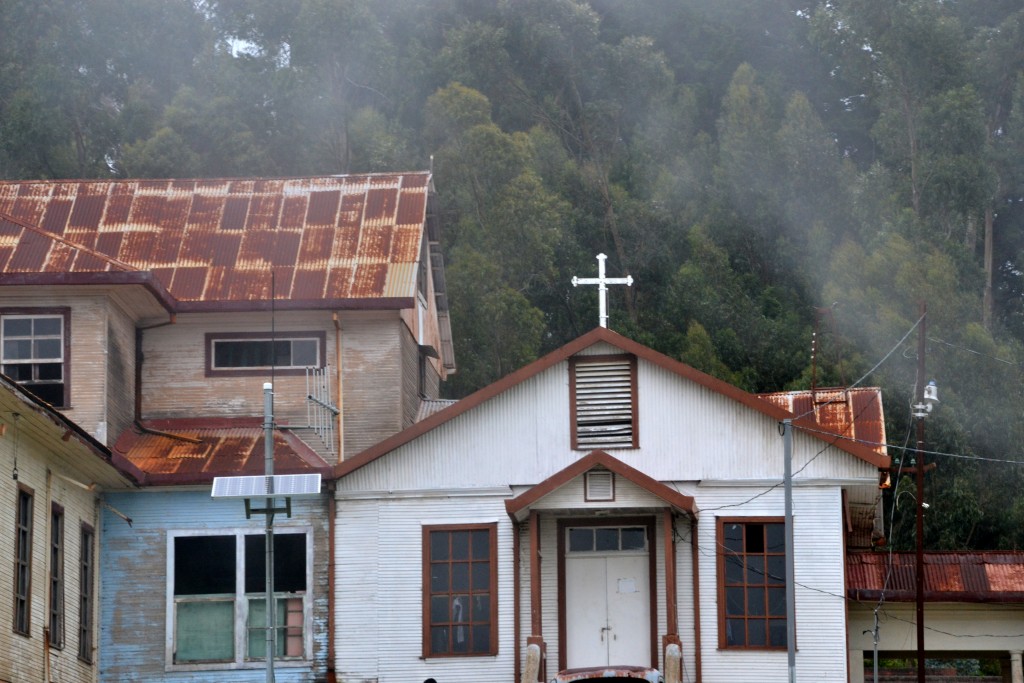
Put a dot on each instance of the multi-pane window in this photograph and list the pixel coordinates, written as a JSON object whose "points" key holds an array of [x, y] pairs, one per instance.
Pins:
{"points": [[752, 583], [607, 539], [56, 632], [33, 350], [238, 353], [86, 581], [217, 577], [603, 402], [460, 590], [23, 561]]}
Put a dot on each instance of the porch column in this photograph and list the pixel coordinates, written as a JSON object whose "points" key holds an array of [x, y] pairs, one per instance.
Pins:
{"points": [[670, 643], [536, 637], [1016, 671]]}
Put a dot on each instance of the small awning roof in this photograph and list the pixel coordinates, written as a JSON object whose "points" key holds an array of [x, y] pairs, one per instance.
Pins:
{"points": [[519, 507], [971, 577]]}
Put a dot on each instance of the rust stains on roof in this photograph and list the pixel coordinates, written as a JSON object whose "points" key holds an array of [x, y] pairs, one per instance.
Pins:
{"points": [[213, 243], [948, 576], [854, 414], [194, 451]]}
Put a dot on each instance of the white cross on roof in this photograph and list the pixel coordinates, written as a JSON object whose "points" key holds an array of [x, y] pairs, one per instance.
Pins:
{"points": [[602, 283]]}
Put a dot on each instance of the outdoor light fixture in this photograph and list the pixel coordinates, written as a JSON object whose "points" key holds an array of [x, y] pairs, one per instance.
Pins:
{"points": [[931, 396]]}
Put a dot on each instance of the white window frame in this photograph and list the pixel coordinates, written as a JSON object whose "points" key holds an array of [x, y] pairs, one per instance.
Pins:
{"points": [[241, 603], [62, 315], [319, 339]]}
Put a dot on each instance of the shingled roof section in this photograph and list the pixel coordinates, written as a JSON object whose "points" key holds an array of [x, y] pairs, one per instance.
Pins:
{"points": [[348, 241]]}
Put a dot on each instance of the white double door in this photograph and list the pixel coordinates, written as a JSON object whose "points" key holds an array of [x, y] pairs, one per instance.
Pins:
{"points": [[608, 609]]}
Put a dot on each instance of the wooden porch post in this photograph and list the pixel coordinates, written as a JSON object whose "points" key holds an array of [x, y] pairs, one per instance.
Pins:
{"points": [[671, 636], [536, 635]]}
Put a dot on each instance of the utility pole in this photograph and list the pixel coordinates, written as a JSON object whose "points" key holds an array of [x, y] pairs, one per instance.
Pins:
{"points": [[924, 396], [919, 475]]}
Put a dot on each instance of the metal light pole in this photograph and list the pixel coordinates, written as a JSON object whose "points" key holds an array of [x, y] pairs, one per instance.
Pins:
{"points": [[787, 441], [268, 470], [268, 487]]}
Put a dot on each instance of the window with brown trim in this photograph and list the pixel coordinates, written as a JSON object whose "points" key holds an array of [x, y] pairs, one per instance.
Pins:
{"points": [[23, 561], [460, 598], [752, 583], [603, 402], [250, 353], [56, 629], [35, 351], [86, 581]]}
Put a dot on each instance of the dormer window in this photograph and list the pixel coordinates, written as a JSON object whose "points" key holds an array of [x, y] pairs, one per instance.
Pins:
{"points": [[603, 402], [35, 352]]}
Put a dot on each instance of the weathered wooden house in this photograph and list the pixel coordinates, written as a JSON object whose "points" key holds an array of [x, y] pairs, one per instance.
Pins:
{"points": [[52, 478], [604, 503], [152, 312]]}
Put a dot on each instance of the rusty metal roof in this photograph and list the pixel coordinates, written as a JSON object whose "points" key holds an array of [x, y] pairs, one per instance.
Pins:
{"points": [[948, 576], [855, 413], [194, 451], [215, 243]]}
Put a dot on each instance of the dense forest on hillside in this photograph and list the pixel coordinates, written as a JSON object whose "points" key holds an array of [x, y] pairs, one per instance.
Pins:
{"points": [[764, 170]]}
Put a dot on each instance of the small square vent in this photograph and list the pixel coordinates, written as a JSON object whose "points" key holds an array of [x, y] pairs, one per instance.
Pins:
{"points": [[599, 485]]}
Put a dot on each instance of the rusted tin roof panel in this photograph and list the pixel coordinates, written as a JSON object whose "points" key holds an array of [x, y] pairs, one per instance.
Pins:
{"points": [[185, 451], [213, 241], [853, 413], [949, 576]]}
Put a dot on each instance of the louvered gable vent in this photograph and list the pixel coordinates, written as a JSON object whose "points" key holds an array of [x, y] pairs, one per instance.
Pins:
{"points": [[604, 393]]}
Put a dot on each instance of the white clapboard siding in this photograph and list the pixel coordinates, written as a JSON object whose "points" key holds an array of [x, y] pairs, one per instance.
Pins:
{"points": [[820, 601], [380, 589], [522, 436]]}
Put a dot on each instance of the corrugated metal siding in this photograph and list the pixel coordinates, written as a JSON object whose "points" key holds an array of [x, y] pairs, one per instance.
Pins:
{"points": [[522, 436], [380, 593], [820, 595], [134, 581]]}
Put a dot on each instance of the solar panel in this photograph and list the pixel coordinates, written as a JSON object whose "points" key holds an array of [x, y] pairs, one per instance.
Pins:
{"points": [[290, 485]]}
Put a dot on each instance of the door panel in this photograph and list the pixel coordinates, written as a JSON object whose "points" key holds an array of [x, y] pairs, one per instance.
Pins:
{"points": [[607, 606]]}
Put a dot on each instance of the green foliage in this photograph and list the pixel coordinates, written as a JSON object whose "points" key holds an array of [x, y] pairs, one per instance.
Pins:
{"points": [[761, 169]]}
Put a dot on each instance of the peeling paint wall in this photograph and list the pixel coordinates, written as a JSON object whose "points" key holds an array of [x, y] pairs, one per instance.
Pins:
{"points": [[136, 598]]}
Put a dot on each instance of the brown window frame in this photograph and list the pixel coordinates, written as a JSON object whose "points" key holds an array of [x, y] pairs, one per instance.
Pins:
{"points": [[576, 361], [21, 621], [747, 588], [86, 592], [260, 371], [63, 312], [428, 592], [55, 631]]}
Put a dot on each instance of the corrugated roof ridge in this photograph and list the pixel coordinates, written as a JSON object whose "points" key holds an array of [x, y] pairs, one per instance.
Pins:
{"points": [[97, 181], [115, 263]]}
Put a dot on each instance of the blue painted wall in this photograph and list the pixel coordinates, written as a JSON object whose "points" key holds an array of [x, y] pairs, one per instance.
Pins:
{"points": [[133, 582]]}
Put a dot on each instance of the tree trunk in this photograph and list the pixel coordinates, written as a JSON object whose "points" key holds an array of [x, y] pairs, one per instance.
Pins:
{"points": [[986, 313]]}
